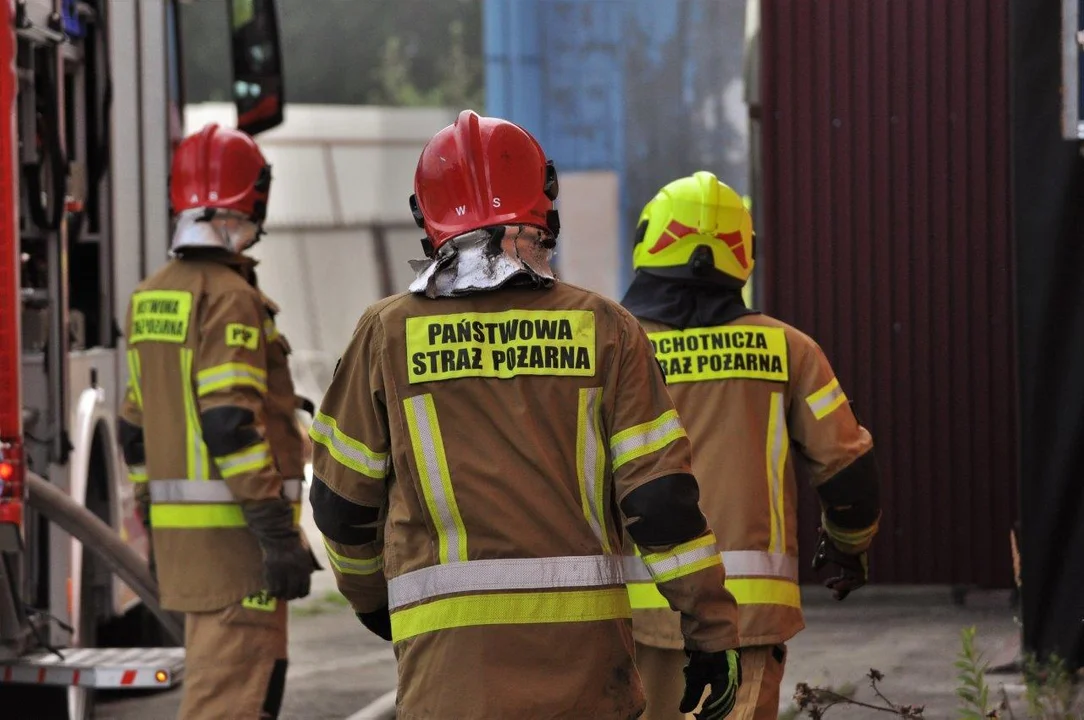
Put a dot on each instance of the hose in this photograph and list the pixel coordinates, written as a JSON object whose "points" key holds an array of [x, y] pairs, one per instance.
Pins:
{"points": [[99, 538]]}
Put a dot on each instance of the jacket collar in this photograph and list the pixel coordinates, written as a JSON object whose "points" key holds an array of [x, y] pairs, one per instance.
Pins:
{"points": [[683, 303], [243, 264]]}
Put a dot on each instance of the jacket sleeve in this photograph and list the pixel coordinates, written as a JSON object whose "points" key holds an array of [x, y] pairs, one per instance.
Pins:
{"points": [[351, 468], [658, 497], [130, 424], [838, 452], [230, 371]]}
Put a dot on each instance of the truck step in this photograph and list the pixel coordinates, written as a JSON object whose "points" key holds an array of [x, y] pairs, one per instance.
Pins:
{"points": [[102, 668]]}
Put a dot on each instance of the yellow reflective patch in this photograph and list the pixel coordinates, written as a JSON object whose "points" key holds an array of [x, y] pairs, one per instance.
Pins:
{"points": [[353, 566], [348, 451], [646, 596], [203, 515], [260, 601], [646, 438], [501, 344], [530, 608], [198, 457], [134, 379], [428, 444], [765, 591], [674, 552], [827, 399], [251, 459], [775, 453], [229, 375], [240, 335], [747, 352], [746, 591], [160, 316]]}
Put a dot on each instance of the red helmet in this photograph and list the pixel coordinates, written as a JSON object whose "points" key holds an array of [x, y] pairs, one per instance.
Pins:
{"points": [[220, 168], [480, 172]]}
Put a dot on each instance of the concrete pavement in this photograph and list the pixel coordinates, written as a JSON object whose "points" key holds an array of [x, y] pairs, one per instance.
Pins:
{"points": [[911, 635]]}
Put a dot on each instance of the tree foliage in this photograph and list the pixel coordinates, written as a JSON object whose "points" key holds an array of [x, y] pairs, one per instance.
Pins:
{"points": [[358, 52]]}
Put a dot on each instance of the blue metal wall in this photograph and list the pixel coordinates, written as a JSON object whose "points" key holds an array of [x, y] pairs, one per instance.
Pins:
{"points": [[634, 86]]}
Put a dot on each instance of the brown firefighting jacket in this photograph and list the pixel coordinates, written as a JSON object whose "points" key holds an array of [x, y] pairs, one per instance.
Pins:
{"points": [[498, 434], [207, 424], [757, 396]]}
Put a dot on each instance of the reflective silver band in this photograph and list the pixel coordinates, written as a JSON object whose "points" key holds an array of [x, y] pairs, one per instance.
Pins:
{"points": [[577, 571], [180, 492]]}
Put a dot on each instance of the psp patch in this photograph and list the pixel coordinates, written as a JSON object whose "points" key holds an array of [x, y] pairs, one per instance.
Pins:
{"points": [[748, 352], [500, 344], [240, 335]]}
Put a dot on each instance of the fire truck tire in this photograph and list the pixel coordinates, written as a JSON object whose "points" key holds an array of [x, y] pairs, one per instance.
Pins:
{"points": [[99, 538]]}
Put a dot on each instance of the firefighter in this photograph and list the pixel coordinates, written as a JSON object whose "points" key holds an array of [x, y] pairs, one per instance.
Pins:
{"points": [[210, 436], [484, 440], [758, 398]]}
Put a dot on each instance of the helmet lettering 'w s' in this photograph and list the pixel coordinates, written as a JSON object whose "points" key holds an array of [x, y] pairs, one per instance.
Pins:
{"points": [[483, 172], [696, 227]]}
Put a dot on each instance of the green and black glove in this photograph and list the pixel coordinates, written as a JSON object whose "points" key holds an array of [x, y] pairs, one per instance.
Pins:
{"points": [[287, 563], [720, 670], [854, 568]]}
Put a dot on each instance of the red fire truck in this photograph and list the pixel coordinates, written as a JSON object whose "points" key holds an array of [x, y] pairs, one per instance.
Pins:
{"points": [[91, 99]]}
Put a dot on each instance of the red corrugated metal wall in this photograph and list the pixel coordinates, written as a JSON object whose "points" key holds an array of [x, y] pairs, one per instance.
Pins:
{"points": [[886, 236]]}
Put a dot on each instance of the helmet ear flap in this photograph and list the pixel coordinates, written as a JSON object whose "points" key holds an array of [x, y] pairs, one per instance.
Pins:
{"points": [[550, 186], [416, 211], [262, 186], [641, 231], [263, 180], [553, 222], [419, 220]]}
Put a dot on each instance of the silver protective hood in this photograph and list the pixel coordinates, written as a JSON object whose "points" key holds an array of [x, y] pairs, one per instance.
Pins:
{"points": [[474, 263], [224, 229]]}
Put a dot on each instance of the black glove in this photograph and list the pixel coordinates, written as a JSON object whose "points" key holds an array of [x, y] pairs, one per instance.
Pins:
{"points": [[303, 403], [378, 622], [721, 670], [287, 563], [855, 568], [143, 502]]}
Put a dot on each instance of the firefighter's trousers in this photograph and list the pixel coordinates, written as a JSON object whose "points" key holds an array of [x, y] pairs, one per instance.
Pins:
{"points": [[235, 664], [664, 682]]}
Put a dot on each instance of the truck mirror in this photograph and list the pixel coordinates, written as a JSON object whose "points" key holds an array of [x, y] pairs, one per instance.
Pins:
{"points": [[257, 64]]}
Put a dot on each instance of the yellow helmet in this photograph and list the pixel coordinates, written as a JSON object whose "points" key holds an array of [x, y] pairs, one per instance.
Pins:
{"points": [[693, 226]]}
